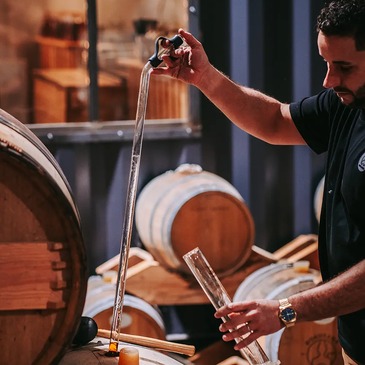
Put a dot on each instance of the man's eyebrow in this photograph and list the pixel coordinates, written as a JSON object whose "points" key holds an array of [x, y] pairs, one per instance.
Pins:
{"points": [[339, 62]]}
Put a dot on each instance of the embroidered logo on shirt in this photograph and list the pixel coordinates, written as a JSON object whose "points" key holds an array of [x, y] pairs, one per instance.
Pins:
{"points": [[361, 163]]}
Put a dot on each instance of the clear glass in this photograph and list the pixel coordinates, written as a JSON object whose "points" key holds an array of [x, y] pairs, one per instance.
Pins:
{"points": [[219, 297]]}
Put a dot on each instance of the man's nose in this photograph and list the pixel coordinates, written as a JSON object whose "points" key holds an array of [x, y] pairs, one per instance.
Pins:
{"points": [[331, 79]]}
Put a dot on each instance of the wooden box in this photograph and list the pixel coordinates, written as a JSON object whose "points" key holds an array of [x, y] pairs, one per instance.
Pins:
{"points": [[62, 95], [61, 53]]}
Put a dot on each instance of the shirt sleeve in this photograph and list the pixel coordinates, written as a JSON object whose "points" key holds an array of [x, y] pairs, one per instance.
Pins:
{"points": [[312, 119]]}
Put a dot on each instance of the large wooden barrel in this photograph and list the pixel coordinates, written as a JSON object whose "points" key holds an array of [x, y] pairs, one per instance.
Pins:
{"points": [[138, 317], [182, 209], [304, 342], [94, 354], [43, 272]]}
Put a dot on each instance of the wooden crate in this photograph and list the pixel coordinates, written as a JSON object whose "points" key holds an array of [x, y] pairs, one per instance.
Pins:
{"points": [[61, 53], [62, 95], [159, 286], [149, 280]]}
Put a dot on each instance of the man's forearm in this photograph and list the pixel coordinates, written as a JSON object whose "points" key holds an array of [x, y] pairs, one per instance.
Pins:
{"points": [[256, 113], [342, 295]]}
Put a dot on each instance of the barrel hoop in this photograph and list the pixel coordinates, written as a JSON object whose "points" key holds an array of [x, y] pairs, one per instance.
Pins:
{"points": [[252, 280], [276, 292]]}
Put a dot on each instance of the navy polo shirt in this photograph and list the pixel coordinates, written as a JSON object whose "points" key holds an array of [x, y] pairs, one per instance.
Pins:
{"points": [[329, 126]]}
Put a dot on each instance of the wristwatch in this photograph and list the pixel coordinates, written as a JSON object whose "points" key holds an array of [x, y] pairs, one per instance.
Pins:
{"points": [[287, 314]]}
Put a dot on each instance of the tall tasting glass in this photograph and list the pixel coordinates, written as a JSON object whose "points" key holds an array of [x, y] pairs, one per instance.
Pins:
{"points": [[218, 296]]}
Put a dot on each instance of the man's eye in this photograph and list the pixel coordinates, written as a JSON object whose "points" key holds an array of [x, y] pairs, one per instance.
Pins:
{"points": [[346, 68]]}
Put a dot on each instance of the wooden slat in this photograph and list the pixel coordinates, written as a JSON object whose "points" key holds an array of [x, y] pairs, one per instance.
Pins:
{"points": [[294, 246], [136, 255], [303, 247], [28, 279], [149, 342], [156, 285]]}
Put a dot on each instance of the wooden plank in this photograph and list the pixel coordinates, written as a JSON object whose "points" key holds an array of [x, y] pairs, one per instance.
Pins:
{"points": [[136, 255], [28, 275], [294, 246], [303, 247], [156, 285]]}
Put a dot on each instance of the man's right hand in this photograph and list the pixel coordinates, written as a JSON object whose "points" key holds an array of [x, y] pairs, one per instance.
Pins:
{"points": [[188, 63]]}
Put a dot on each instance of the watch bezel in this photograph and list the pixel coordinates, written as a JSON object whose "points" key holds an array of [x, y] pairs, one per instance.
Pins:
{"points": [[288, 315]]}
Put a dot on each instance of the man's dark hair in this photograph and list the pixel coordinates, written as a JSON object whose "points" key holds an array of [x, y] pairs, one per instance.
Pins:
{"points": [[344, 18]]}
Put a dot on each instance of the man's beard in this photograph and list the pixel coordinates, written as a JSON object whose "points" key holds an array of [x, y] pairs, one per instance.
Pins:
{"points": [[358, 96], [359, 99]]}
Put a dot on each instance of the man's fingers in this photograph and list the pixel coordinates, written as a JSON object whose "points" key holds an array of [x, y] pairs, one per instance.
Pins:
{"points": [[189, 38]]}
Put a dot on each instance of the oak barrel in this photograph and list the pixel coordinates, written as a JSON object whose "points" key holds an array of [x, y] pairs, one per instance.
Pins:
{"points": [[305, 342], [182, 209], [43, 272], [138, 317]]}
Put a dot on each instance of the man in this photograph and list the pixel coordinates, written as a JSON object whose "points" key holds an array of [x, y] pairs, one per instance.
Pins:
{"points": [[333, 121]]}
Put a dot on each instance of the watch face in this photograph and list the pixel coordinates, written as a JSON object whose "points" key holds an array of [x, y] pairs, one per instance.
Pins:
{"points": [[288, 314]]}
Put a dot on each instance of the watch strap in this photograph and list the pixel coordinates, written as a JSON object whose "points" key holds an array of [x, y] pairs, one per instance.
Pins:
{"points": [[284, 304]]}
